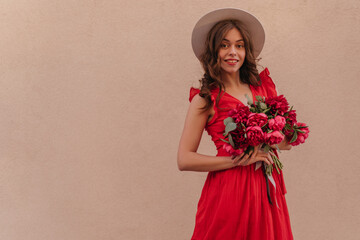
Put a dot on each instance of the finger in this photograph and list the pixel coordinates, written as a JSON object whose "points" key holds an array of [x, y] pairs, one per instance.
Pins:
{"points": [[254, 154], [256, 148], [270, 159], [238, 158], [267, 156], [233, 157], [265, 160], [243, 159], [247, 161]]}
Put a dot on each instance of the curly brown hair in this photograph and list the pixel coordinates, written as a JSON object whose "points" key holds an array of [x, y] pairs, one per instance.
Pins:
{"points": [[211, 64]]}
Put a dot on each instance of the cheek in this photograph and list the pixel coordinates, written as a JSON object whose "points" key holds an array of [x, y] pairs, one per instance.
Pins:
{"points": [[242, 53], [220, 56]]}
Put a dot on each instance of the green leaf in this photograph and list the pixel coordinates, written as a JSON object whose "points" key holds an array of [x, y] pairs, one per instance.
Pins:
{"points": [[276, 113], [250, 101], [231, 141], [263, 105], [224, 140], [266, 148], [301, 127], [230, 127], [293, 139], [300, 131], [266, 110], [259, 98], [228, 120]]}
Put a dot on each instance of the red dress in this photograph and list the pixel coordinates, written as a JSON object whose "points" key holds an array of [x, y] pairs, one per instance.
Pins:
{"points": [[233, 204]]}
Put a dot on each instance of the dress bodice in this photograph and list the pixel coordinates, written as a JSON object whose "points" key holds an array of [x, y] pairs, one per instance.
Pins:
{"points": [[215, 127]]}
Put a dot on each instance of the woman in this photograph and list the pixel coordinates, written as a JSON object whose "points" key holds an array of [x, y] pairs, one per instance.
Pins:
{"points": [[233, 203]]}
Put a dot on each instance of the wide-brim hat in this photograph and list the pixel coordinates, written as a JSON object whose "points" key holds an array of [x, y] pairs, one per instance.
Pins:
{"points": [[206, 22]]}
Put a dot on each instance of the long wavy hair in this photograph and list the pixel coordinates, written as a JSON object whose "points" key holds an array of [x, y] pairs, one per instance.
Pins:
{"points": [[211, 63]]}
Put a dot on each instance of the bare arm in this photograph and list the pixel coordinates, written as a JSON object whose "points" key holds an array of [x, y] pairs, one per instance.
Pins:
{"points": [[189, 160]]}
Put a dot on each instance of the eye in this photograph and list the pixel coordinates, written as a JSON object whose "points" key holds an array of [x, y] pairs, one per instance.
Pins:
{"points": [[224, 45], [240, 46]]}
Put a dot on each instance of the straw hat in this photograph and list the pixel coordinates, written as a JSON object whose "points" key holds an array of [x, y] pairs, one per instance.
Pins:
{"points": [[206, 22]]}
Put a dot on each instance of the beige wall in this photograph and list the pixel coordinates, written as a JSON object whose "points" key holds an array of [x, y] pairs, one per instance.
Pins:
{"points": [[93, 98]]}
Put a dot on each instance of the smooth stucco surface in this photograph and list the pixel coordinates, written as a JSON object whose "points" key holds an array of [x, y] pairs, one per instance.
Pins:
{"points": [[93, 99]]}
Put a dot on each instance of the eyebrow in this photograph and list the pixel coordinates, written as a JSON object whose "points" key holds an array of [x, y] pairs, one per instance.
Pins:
{"points": [[236, 41]]}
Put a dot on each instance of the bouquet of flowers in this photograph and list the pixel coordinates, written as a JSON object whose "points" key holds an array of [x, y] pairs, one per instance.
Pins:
{"points": [[267, 122]]}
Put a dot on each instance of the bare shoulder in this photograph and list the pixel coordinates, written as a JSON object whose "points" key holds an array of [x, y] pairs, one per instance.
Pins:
{"points": [[196, 110], [195, 123], [197, 102], [196, 116]]}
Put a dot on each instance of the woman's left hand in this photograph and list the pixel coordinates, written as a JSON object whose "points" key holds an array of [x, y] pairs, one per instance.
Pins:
{"points": [[284, 145]]}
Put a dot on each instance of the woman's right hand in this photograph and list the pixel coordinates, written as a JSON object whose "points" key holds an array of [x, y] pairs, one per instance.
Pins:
{"points": [[254, 156]]}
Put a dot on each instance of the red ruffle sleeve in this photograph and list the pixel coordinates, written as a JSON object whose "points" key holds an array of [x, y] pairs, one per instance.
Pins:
{"points": [[193, 92], [268, 83]]}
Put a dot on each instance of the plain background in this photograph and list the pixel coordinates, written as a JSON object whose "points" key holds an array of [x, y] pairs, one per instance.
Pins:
{"points": [[93, 99]]}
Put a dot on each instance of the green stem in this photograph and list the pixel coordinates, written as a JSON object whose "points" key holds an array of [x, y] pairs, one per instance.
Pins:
{"points": [[276, 164]]}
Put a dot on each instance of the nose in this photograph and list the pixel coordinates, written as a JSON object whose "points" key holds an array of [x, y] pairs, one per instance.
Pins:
{"points": [[232, 50]]}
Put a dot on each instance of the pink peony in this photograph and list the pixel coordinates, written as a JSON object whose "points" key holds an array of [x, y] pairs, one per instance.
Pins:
{"points": [[274, 137], [277, 123], [255, 135], [257, 119], [229, 149], [301, 136]]}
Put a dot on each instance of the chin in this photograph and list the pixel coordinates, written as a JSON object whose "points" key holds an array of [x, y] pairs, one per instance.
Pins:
{"points": [[231, 71]]}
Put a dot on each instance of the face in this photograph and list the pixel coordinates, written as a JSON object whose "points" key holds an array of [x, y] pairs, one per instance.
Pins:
{"points": [[232, 52]]}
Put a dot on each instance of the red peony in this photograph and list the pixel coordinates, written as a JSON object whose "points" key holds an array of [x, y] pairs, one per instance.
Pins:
{"points": [[277, 103], [240, 113], [291, 118], [239, 139], [255, 135], [267, 122], [257, 119], [289, 133]]}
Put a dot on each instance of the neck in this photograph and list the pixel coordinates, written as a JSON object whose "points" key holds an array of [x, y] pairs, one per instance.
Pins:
{"points": [[231, 80]]}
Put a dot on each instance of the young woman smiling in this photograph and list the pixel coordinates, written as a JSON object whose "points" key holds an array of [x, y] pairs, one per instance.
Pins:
{"points": [[233, 202]]}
